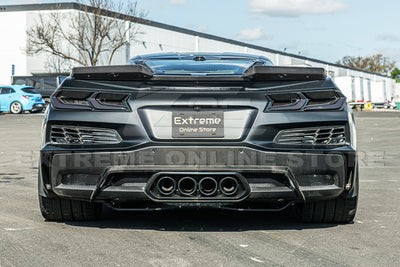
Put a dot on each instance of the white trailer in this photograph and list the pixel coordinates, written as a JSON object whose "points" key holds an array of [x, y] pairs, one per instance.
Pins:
{"points": [[397, 92], [353, 88], [345, 85], [359, 88], [367, 90], [379, 93], [390, 88]]}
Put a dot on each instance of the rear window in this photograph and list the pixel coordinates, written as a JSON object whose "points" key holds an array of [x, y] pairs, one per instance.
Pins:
{"points": [[29, 90], [190, 67]]}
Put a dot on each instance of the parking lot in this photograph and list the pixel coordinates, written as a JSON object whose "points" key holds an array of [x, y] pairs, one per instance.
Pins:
{"points": [[201, 238]]}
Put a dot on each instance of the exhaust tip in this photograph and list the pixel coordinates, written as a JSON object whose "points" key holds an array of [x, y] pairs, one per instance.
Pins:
{"points": [[187, 186], [166, 185], [228, 186], [208, 186]]}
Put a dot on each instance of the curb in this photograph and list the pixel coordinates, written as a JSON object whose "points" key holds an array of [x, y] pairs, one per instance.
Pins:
{"points": [[382, 110]]}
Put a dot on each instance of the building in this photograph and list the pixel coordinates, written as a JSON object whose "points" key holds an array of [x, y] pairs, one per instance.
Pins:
{"points": [[158, 37]]}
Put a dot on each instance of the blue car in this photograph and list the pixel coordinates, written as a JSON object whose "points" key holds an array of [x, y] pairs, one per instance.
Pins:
{"points": [[19, 98]]}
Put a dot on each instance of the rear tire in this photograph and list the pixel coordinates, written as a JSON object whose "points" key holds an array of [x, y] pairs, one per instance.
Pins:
{"points": [[58, 209], [328, 211], [16, 108]]}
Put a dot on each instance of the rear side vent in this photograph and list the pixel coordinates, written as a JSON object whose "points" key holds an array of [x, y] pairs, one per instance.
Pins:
{"points": [[77, 135], [334, 135]]}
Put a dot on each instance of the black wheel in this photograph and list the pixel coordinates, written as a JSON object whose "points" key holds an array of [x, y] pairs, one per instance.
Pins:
{"points": [[328, 211], [58, 209], [16, 107]]}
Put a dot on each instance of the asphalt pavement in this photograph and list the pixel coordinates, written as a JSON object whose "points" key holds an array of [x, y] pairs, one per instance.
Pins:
{"points": [[201, 238]]}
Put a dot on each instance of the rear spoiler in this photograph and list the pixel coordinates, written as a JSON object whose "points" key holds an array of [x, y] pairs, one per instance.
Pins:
{"points": [[112, 73], [141, 73], [274, 73]]}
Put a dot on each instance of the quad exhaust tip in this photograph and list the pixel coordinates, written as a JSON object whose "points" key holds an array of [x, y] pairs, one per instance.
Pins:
{"points": [[166, 185], [187, 186], [208, 186], [228, 186]]}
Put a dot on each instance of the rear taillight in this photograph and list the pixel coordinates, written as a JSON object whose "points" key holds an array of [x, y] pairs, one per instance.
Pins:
{"points": [[26, 96], [313, 100], [109, 101], [84, 100], [290, 101]]}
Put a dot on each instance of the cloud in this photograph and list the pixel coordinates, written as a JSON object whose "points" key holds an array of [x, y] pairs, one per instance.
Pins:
{"points": [[257, 33], [295, 8], [388, 38], [177, 2]]}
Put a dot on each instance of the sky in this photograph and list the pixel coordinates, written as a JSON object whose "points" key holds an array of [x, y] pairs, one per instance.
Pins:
{"points": [[322, 29]]}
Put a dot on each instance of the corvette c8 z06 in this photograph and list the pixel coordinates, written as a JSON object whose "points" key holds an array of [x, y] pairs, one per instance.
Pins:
{"points": [[193, 130]]}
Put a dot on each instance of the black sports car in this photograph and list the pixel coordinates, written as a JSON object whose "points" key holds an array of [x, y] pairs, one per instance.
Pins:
{"points": [[192, 130]]}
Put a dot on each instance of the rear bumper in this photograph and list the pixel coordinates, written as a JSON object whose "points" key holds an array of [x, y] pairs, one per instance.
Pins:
{"points": [[34, 106], [38, 107], [130, 176]]}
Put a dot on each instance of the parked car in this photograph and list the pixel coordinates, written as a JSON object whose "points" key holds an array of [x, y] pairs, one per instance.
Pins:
{"points": [[387, 104], [201, 130], [43, 84], [16, 99]]}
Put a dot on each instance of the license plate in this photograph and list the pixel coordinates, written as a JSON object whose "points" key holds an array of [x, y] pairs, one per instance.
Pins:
{"points": [[202, 124]]}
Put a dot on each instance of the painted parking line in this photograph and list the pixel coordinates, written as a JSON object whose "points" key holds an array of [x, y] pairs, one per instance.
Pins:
{"points": [[18, 229]]}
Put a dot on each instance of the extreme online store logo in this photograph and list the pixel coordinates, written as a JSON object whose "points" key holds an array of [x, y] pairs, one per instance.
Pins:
{"points": [[196, 121]]}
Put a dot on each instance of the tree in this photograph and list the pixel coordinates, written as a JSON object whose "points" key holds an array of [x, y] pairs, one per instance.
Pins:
{"points": [[396, 74], [96, 32], [375, 63]]}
